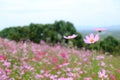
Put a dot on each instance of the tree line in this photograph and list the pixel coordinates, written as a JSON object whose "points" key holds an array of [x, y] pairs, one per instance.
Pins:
{"points": [[53, 33]]}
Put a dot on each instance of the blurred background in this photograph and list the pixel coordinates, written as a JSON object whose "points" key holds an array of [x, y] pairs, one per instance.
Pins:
{"points": [[84, 14]]}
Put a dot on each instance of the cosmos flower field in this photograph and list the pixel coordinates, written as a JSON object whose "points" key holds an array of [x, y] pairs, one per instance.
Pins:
{"points": [[31, 61]]}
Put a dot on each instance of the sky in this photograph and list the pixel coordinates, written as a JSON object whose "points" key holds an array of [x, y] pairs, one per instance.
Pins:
{"points": [[80, 12]]}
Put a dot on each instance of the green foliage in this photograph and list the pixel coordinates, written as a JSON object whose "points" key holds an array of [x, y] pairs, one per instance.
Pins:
{"points": [[110, 44], [50, 33], [78, 41]]}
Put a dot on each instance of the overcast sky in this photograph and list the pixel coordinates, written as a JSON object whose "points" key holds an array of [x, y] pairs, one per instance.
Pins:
{"points": [[79, 12]]}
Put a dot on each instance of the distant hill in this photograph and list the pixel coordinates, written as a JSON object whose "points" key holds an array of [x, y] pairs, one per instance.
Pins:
{"points": [[114, 27], [111, 30]]}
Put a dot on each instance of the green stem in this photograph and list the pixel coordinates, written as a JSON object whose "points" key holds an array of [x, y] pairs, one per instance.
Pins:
{"points": [[99, 43]]}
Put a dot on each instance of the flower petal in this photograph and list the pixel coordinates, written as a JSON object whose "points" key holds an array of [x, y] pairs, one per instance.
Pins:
{"points": [[91, 35], [87, 38], [96, 37], [86, 41]]}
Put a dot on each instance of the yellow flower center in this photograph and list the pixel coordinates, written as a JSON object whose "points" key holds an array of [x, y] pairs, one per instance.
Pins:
{"points": [[92, 40]]}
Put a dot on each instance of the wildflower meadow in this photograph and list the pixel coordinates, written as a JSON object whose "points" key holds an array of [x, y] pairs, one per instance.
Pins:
{"points": [[57, 52], [31, 61]]}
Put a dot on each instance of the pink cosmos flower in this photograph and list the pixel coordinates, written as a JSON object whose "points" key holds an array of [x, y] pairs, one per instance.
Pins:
{"points": [[102, 63], [7, 64], [100, 29], [91, 38], [64, 55], [62, 78], [39, 76], [102, 74], [113, 77], [118, 71], [3, 75], [87, 78], [70, 37], [39, 55], [42, 42], [99, 57], [2, 57], [54, 59]]}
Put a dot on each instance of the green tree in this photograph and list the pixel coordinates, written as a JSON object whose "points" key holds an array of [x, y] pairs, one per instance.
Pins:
{"points": [[109, 44]]}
